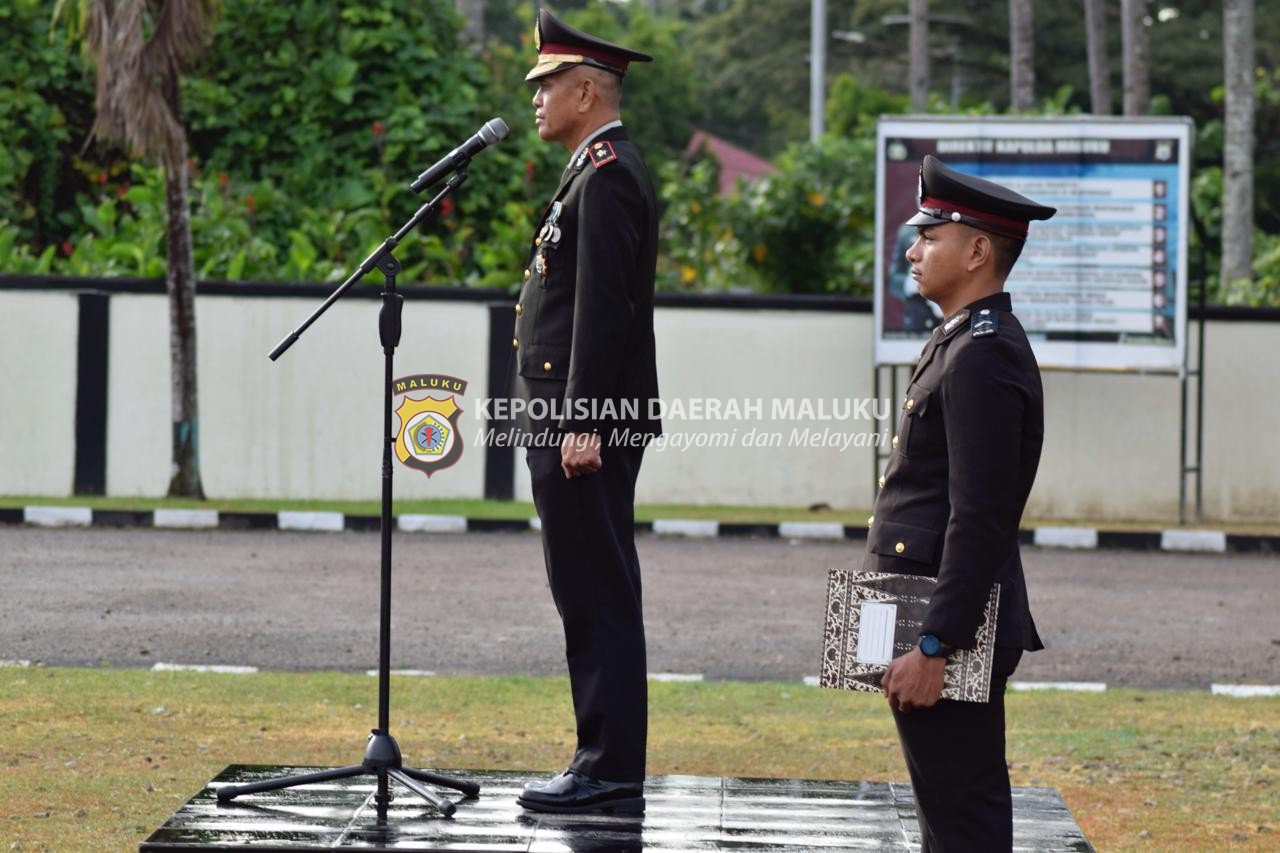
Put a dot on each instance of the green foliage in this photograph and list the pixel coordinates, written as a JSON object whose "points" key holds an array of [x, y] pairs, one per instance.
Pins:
{"points": [[308, 120], [854, 108], [45, 113], [701, 250], [1264, 289], [809, 228]]}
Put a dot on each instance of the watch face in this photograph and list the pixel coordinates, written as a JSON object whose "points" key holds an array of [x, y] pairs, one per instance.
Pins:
{"points": [[930, 645]]}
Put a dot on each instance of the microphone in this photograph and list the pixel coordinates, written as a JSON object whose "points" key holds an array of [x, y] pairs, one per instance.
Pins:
{"points": [[493, 130]]}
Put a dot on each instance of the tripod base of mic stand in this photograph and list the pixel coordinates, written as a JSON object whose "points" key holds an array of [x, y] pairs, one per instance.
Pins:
{"points": [[381, 759]]}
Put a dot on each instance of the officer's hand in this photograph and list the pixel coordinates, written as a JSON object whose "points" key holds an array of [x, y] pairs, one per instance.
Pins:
{"points": [[580, 454], [913, 681]]}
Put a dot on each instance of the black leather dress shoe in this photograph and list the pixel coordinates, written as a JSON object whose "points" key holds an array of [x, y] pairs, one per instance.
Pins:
{"points": [[572, 792]]}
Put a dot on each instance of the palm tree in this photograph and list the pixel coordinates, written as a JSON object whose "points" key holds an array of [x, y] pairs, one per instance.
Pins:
{"points": [[1237, 149], [1095, 24], [1137, 57], [919, 50], [1022, 67], [139, 49]]}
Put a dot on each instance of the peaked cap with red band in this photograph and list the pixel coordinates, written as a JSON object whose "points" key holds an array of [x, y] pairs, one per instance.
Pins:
{"points": [[947, 195], [561, 47]]}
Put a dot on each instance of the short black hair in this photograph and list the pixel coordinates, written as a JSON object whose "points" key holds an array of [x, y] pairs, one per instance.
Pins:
{"points": [[1007, 250]]}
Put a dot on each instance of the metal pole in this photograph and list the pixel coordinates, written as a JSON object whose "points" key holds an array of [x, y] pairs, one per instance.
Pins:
{"points": [[817, 68]]}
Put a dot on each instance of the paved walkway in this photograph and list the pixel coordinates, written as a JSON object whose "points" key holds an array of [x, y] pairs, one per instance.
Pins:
{"points": [[477, 603]]}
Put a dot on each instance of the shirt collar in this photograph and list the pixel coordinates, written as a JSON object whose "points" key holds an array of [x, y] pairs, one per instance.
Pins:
{"points": [[591, 138]]}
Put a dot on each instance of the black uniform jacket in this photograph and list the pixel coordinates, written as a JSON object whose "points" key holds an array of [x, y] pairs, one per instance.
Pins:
{"points": [[963, 461], [584, 322]]}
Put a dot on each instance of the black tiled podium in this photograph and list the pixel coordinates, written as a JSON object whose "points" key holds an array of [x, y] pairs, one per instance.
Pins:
{"points": [[693, 813]]}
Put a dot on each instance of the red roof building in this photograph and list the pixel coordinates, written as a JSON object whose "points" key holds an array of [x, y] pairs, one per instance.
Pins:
{"points": [[735, 163]]}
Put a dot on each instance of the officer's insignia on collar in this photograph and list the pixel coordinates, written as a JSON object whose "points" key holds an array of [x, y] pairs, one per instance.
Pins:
{"points": [[601, 153], [956, 319], [984, 323]]}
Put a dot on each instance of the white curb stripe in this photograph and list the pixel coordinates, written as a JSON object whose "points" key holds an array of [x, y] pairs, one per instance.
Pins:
{"points": [[417, 673], [327, 521], [535, 523], [691, 528], [676, 676], [1071, 686], [1245, 691], [811, 530], [225, 669], [1066, 537], [1213, 541], [19, 664], [58, 516], [432, 523], [190, 519]]}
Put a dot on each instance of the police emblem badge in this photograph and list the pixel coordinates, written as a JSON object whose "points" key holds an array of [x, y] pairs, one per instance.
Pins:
{"points": [[428, 438]]}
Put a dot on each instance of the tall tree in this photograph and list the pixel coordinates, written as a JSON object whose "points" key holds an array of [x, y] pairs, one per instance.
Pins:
{"points": [[1095, 22], [1022, 67], [919, 46], [1237, 148], [139, 49], [473, 11], [1136, 40]]}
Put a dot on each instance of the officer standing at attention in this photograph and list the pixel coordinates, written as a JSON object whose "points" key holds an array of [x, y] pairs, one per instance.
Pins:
{"points": [[584, 355], [951, 500]]}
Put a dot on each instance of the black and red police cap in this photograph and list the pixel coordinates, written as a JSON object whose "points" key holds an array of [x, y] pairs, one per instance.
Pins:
{"points": [[948, 195]]}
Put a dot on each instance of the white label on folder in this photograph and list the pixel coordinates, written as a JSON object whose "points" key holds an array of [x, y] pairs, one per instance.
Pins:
{"points": [[875, 632]]}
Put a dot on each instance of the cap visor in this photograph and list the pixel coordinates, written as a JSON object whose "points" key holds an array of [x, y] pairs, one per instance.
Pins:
{"points": [[922, 219], [542, 69]]}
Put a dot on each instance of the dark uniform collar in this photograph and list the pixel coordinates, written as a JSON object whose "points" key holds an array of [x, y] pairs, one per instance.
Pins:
{"points": [[999, 301], [996, 301]]}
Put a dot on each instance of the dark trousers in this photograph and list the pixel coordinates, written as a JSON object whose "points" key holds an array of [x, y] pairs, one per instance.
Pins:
{"points": [[955, 754], [588, 540]]}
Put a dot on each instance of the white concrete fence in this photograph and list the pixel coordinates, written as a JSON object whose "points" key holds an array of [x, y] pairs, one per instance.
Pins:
{"points": [[309, 425]]}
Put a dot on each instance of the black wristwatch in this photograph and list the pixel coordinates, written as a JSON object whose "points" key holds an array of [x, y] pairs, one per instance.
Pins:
{"points": [[932, 647]]}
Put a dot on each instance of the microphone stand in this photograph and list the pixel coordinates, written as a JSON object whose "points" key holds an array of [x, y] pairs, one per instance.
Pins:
{"points": [[382, 755]]}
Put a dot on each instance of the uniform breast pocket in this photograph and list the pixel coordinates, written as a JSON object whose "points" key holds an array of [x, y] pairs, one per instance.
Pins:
{"points": [[917, 423]]}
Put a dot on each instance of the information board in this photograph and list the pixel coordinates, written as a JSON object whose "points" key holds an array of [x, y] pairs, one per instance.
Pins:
{"points": [[1102, 285]]}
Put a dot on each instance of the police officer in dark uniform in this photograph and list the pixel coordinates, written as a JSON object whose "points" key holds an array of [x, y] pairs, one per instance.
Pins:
{"points": [[951, 499], [585, 369]]}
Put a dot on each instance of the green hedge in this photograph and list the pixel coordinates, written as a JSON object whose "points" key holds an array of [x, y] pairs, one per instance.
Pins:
{"points": [[307, 120]]}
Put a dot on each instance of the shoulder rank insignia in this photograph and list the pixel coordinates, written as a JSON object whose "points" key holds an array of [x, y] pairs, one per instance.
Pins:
{"points": [[602, 153], [984, 323]]}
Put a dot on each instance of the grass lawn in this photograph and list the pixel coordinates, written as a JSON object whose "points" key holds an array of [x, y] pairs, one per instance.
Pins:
{"points": [[94, 759]]}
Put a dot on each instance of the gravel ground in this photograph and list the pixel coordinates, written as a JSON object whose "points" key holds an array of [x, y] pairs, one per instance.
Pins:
{"points": [[478, 603]]}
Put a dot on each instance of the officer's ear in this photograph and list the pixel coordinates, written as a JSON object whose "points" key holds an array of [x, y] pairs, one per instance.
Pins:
{"points": [[587, 93], [981, 250]]}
